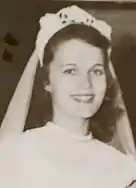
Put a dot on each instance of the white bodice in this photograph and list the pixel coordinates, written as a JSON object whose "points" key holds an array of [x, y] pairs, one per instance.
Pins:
{"points": [[50, 157]]}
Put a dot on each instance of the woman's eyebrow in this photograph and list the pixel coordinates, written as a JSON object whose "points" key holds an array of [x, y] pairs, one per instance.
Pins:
{"points": [[99, 64], [68, 64]]}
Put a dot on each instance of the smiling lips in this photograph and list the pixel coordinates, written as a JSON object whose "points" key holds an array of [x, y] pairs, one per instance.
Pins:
{"points": [[85, 98]]}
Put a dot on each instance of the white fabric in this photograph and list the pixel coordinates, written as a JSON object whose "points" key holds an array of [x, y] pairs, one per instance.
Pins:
{"points": [[50, 157]]}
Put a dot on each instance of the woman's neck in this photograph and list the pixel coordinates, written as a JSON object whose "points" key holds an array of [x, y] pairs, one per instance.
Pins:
{"points": [[74, 125]]}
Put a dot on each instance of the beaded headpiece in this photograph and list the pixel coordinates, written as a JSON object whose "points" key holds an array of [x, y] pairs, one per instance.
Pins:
{"points": [[52, 23]]}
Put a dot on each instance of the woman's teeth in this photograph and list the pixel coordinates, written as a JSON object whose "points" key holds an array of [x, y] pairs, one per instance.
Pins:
{"points": [[83, 98]]}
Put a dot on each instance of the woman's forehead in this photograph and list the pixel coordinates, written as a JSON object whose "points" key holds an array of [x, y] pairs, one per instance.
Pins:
{"points": [[77, 51]]}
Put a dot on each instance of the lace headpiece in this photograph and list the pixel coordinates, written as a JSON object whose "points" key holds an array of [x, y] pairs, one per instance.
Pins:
{"points": [[52, 23]]}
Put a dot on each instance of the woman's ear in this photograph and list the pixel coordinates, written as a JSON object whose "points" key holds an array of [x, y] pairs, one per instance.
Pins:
{"points": [[47, 87]]}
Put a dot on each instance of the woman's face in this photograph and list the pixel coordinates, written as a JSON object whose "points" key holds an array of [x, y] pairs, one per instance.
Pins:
{"points": [[77, 79]]}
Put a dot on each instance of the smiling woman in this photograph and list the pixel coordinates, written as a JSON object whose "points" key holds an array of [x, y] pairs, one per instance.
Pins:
{"points": [[78, 85], [74, 54], [77, 81]]}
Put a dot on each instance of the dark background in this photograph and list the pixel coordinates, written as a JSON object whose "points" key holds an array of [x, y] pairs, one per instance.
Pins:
{"points": [[19, 19]]}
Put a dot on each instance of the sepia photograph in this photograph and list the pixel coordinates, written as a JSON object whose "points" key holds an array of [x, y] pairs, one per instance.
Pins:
{"points": [[67, 94]]}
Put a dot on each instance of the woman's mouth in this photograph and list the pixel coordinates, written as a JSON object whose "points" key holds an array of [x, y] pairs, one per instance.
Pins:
{"points": [[84, 98]]}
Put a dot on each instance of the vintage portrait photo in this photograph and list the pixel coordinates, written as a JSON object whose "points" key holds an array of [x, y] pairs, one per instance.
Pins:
{"points": [[68, 94]]}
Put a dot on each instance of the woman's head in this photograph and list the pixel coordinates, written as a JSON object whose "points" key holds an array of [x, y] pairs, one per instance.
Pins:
{"points": [[76, 59], [76, 71]]}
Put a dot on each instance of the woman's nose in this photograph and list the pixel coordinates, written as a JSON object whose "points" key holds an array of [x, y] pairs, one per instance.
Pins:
{"points": [[86, 81]]}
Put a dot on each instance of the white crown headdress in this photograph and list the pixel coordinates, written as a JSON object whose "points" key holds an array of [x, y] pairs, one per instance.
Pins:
{"points": [[52, 23]]}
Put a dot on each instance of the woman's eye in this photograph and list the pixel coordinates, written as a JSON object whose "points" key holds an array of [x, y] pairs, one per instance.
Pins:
{"points": [[98, 72], [70, 71]]}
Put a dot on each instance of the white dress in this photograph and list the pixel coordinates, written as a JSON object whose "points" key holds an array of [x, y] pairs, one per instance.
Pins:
{"points": [[50, 157]]}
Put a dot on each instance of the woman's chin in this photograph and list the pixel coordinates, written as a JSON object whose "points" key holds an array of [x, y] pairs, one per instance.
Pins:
{"points": [[83, 114], [86, 112]]}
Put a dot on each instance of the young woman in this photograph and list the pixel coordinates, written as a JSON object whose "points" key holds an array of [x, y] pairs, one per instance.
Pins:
{"points": [[71, 150]]}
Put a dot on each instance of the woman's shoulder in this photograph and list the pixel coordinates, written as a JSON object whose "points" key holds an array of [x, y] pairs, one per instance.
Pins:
{"points": [[116, 156], [13, 148], [15, 139], [14, 142], [119, 165], [35, 134], [9, 152]]}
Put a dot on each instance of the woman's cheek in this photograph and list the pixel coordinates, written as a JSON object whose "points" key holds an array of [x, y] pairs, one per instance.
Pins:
{"points": [[99, 84], [62, 83]]}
